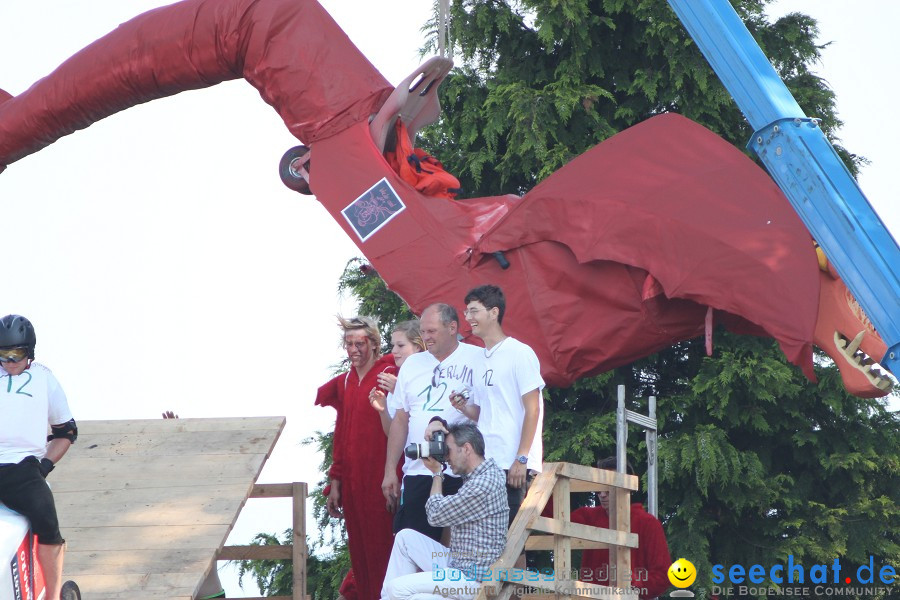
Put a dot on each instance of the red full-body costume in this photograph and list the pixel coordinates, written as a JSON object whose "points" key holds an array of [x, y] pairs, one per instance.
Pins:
{"points": [[360, 448]]}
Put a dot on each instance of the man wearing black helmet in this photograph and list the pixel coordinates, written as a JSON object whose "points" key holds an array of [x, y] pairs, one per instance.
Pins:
{"points": [[31, 398]]}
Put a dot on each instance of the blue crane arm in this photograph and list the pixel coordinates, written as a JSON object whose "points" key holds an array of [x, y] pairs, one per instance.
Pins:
{"points": [[805, 166]]}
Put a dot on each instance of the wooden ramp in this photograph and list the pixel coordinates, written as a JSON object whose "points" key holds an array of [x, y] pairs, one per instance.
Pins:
{"points": [[145, 506]]}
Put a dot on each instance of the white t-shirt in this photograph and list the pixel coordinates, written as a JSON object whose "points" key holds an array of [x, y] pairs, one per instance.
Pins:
{"points": [[511, 370], [28, 404], [415, 394]]}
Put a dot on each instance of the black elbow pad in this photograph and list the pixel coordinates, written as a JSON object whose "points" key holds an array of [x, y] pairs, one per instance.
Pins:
{"points": [[67, 430]]}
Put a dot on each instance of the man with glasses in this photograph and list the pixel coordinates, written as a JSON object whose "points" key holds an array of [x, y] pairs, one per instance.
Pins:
{"points": [[422, 393], [421, 568], [354, 492], [32, 399], [510, 406]]}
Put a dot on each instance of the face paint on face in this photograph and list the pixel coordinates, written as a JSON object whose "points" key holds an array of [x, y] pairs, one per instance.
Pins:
{"points": [[359, 348]]}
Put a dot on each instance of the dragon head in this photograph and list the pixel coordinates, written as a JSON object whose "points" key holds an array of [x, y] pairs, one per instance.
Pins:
{"points": [[847, 335]]}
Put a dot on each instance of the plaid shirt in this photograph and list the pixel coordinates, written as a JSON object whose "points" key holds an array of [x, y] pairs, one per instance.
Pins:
{"points": [[477, 516]]}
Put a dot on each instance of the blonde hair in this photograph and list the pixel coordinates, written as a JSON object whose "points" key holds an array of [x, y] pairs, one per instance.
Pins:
{"points": [[367, 324], [412, 332]]}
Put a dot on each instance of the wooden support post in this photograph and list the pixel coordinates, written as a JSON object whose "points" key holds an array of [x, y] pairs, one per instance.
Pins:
{"points": [[562, 545], [299, 553], [620, 519]]}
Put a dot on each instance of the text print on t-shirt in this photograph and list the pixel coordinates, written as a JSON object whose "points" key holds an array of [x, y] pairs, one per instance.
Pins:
{"points": [[461, 373], [488, 378], [9, 385], [432, 400]]}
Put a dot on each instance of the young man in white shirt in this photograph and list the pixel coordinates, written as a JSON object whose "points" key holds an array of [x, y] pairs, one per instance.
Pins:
{"points": [[511, 411], [32, 399], [422, 392]]}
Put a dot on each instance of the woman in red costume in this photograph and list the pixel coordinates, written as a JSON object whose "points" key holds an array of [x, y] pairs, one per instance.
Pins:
{"points": [[359, 443]]}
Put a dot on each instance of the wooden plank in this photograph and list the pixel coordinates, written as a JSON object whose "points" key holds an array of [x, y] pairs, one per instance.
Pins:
{"points": [[127, 584], [562, 545], [144, 426], [171, 443], [111, 472], [170, 560], [507, 591], [145, 506], [115, 539], [174, 505], [268, 552], [300, 551], [545, 542], [621, 516], [534, 503], [272, 490], [587, 486], [603, 476], [585, 532]]}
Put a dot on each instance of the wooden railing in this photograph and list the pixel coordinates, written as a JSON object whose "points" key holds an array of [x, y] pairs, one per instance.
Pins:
{"points": [[296, 552], [561, 536]]}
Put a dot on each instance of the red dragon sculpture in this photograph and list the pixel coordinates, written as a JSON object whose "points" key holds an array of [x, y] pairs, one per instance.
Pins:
{"points": [[627, 249]]}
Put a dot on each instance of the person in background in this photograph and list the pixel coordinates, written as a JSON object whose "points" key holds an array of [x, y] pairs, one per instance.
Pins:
{"points": [[650, 561], [406, 340]]}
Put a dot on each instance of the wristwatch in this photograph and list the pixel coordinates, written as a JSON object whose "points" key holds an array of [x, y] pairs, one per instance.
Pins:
{"points": [[522, 459], [441, 475]]}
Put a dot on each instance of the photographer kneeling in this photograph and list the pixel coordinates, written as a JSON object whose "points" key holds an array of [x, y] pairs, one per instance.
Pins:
{"points": [[477, 516]]}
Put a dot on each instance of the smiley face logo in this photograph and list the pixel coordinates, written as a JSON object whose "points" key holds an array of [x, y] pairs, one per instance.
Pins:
{"points": [[682, 573]]}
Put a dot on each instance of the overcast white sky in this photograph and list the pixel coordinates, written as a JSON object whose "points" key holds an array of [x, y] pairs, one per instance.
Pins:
{"points": [[166, 267]]}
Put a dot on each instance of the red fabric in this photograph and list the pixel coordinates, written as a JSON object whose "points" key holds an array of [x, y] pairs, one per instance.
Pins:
{"points": [[291, 51], [348, 586], [360, 448], [673, 199], [666, 205], [650, 562]]}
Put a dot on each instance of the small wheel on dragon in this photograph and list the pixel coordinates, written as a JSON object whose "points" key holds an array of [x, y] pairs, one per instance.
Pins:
{"points": [[294, 169]]}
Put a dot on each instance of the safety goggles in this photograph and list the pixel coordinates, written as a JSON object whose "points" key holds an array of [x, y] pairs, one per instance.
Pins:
{"points": [[13, 354]]}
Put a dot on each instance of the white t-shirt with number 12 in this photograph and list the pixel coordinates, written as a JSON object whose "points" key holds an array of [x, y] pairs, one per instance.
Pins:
{"points": [[29, 403], [423, 401]]}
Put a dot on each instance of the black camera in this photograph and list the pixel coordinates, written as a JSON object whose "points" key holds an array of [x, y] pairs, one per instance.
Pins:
{"points": [[436, 448]]}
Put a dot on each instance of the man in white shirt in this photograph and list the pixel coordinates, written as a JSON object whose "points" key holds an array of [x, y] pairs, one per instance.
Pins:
{"points": [[511, 411], [422, 392], [32, 399]]}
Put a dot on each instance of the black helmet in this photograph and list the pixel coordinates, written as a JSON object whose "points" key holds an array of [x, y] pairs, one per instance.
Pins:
{"points": [[16, 332]]}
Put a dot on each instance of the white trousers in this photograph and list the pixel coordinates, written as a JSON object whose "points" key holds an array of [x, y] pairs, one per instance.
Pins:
{"points": [[417, 570]]}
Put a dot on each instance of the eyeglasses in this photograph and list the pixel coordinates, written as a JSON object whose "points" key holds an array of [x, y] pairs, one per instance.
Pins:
{"points": [[13, 354], [471, 311]]}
